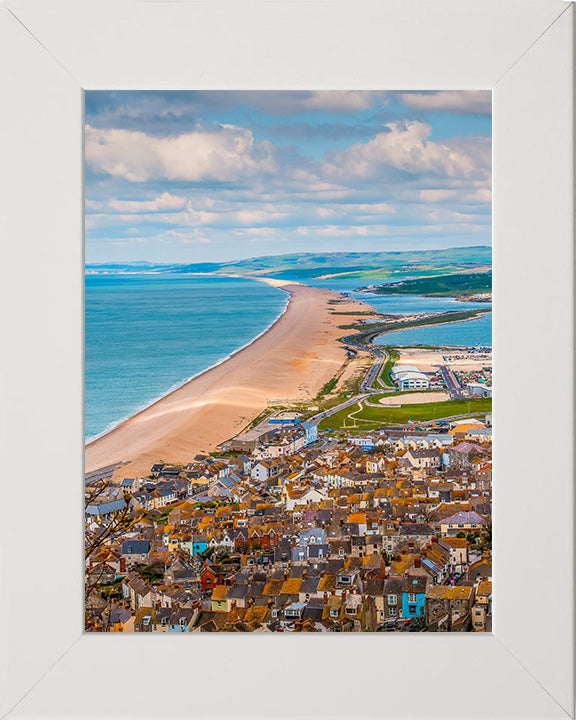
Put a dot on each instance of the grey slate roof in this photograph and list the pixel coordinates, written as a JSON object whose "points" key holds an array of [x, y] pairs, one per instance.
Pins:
{"points": [[135, 547], [105, 508]]}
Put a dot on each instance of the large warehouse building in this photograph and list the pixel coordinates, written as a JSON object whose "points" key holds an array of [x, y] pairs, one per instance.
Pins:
{"points": [[409, 377]]}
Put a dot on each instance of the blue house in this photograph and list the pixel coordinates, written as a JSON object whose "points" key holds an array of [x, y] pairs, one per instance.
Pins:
{"points": [[199, 544], [311, 432], [414, 597], [180, 620]]}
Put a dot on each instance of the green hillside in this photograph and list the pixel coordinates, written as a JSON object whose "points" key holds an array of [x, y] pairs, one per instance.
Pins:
{"points": [[361, 265], [440, 285]]}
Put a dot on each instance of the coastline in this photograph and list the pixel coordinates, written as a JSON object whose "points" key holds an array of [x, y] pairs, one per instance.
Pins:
{"points": [[293, 358], [176, 386]]}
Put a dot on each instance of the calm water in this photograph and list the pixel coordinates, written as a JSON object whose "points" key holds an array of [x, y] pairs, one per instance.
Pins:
{"points": [[393, 304], [146, 335], [470, 333]]}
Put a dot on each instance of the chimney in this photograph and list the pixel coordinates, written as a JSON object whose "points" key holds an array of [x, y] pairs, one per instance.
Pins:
{"points": [[325, 596]]}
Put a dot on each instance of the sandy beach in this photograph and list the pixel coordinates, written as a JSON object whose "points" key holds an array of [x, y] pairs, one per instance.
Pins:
{"points": [[292, 360]]}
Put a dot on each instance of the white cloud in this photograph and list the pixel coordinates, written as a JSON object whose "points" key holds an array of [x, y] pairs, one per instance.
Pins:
{"points": [[166, 201], [220, 152], [294, 102], [443, 215], [466, 102], [405, 147], [436, 195], [338, 230]]}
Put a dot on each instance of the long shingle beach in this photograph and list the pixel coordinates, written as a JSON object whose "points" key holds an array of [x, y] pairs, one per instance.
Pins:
{"points": [[294, 358]]}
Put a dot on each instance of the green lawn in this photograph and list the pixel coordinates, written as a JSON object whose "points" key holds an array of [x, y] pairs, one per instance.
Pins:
{"points": [[371, 417], [383, 378]]}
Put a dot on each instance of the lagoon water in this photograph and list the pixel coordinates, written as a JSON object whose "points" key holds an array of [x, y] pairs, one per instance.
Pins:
{"points": [[393, 304], [470, 333], [147, 334]]}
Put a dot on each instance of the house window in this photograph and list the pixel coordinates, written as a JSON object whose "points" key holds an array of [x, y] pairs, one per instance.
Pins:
{"points": [[341, 552], [334, 613], [412, 609], [411, 597], [392, 611], [392, 599]]}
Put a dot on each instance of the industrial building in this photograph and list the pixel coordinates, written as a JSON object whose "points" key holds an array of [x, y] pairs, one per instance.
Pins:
{"points": [[409, 377], [479, 389]]}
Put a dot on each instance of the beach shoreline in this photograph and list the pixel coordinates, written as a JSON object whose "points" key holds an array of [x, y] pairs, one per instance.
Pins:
{"points": [[176, 386], [293, 358]]}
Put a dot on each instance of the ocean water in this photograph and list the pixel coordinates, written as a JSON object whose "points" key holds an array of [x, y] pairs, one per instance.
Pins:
{"points": [[469, 333], [145, 335]]}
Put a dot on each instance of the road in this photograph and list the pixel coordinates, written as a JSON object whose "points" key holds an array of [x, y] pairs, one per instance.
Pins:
{"points": [[452, 384]]}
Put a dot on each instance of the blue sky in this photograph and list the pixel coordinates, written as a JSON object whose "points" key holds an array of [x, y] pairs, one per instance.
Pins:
{"points": [[224, 175]]}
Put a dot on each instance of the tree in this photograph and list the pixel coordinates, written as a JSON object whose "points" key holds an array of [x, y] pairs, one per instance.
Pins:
{"points": [[417, 624], [120, 522]]}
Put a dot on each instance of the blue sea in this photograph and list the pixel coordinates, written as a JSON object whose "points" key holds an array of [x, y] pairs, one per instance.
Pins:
{"points": [[146, 335]]}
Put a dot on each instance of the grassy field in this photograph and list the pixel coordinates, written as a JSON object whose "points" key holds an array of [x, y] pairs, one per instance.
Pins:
{"points": [[370, 416], [383, 379], [440, 285]]}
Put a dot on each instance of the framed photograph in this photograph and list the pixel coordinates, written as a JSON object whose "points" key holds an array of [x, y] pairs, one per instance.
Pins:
{"points": [[324, 105]]}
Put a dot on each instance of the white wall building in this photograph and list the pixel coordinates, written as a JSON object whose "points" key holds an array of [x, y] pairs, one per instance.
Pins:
{"points": [[409, 377]]}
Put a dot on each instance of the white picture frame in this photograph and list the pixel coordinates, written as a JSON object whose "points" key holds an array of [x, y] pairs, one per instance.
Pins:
{"points": [[50, 51]]}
